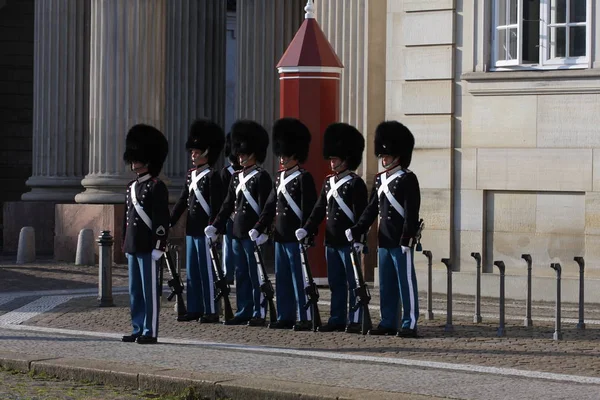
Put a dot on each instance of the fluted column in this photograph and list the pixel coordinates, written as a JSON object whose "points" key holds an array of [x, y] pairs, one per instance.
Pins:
{"points": [[356, 29], [127, 74], [265, 29], [195, 68], [60, 108]]}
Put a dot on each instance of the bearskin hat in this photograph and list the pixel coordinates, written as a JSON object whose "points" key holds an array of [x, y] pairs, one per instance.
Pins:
{"points": [[227, 152], [344, 141], [146, 144], [291, 138], [249, 137], [206, 135], [394, 139]]}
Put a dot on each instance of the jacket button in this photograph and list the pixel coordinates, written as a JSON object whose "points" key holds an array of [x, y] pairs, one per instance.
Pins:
{"points": [[134, 224]]}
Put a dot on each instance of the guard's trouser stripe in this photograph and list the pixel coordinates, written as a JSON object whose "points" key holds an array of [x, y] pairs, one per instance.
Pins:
{"points": [[209, 274], [154, 291], [411, 291]]}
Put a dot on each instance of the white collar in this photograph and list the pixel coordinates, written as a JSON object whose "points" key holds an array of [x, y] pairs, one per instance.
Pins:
{"points": [[144, 178]]}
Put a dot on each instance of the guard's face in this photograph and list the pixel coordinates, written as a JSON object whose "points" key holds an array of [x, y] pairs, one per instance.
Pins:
{"points": [[387, 160], [245, 159], [286, 161], [337, 164], [198, 157], [139, 167]]}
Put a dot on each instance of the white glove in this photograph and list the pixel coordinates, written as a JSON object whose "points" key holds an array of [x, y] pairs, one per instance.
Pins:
{"points": [[301, 234], [405, 249], [262, 239], [254, 234], [210, 232], [349, 234], [358, 247], [157, 254]]}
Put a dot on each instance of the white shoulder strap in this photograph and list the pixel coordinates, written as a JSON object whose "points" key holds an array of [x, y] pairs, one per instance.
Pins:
{"points": [[138, 208], [242, 186], [281, 189], [384, 188], [196, 177], [333, 191]]}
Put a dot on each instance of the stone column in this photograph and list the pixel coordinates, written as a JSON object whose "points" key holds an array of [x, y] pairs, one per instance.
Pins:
{"points": [[127, 74], [265, 29], [195, 80], [357, 31], [60, 108]]}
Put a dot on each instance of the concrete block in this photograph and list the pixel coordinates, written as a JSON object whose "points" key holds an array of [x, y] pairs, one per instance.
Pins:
{"points": [[427, 28], [592, 213], [394, 99], [511, 212], [499, 121], [596, 170], [428, 5], [534, 169], [430, 131], [468, 242], [569, 121], [468, 210], [394, 63], [435, 208], [85, 248], [427, 97], [26, 250], [423, 63], [433, 168], [561, 213], [38, 214], [465, 168], [437, 241]]}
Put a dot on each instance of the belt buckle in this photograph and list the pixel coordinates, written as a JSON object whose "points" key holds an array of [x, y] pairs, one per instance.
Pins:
{"points": [[336, 194]]}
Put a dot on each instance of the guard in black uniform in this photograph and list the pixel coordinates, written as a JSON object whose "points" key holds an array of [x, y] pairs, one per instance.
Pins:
{"points": [[226, 174], [396, 197], [290, 202], [145, 228], [202, 197], [343, 199], [247, 195]]}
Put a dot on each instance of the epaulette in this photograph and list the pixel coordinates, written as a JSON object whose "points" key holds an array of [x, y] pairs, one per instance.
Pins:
{"points": [[191, 169], [330, 175], [131, 181], [238, 171], [379, 173]]}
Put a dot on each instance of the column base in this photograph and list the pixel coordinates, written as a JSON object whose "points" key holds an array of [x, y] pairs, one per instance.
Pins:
{"points": [[52, 188], [38, 214], [104, 189]]}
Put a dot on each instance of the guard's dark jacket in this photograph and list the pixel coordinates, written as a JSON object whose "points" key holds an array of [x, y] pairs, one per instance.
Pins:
{"points": [[394, 230], [211, 188], [226, 174], [244, 217], [354, 193], [303, 192], [153, 197]]}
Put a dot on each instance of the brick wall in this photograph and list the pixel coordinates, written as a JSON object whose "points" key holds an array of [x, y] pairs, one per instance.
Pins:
{"points": [[16, 97]]}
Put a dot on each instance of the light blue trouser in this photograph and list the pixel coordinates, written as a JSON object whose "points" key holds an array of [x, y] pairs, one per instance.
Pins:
{"points": [[143, 293], [290, 283], [340, 275], [227, 258], [397, 279], [249, 297], [200, 283]]}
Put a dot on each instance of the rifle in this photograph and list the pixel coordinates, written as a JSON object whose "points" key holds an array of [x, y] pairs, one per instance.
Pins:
{"points": [[361, 292], [175, 282], [419, 234], [310, 287], [265, 286], [222, 288]]}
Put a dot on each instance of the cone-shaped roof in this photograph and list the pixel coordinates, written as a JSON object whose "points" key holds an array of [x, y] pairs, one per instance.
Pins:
{"points": [[310, 48]]}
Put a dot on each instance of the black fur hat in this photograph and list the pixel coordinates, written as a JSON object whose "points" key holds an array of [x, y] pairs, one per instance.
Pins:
{"points": [[249, 137], [146, 144], [394, 139], [291, 138], [227, 152], [206, 135], [344, 141]]}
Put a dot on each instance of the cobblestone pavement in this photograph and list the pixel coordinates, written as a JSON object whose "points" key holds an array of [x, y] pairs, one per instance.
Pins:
{"points": [[20, 386]]}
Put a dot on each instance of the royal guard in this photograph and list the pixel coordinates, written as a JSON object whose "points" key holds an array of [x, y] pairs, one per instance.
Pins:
{"points": [[145, 228], [247, 195], [289, 205], [342, 200], [226, 174], [202, 197], [396, 198]]}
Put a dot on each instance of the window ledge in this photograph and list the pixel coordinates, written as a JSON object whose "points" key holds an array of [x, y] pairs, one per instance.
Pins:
{"points": [[507, 83]]}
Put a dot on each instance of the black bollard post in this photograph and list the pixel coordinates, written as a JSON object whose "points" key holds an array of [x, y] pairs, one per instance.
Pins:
{"points": [[581, 262], [449, 327], [528, 321], [175, 249], [105, 242], [501, 268], [429, 256], [557, 332], [477, 316]]}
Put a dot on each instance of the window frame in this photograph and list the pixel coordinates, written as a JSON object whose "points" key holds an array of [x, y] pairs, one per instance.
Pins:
{"points": [[545, 63]]}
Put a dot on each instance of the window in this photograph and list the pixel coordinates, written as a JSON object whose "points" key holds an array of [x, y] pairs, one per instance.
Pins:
{"points": [[541, 34]]}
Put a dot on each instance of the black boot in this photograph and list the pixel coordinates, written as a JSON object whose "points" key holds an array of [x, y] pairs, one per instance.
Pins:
{"points": [[332, 328], [382, 330], [256, 321], [281, 325], [189, 317], [354, 327], [303, 326], [129, 338], [210, 319], [407, 333]]}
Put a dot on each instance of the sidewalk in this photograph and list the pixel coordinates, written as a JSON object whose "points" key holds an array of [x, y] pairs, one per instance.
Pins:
{"points": [[471, 362]]}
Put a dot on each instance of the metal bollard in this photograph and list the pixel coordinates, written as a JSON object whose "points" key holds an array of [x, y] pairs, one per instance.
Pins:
{"points": [[429, 256], [581, 262], [528, 321], [557, 332], [477, 316], [449, 327], [105, 242], [502, 268]]}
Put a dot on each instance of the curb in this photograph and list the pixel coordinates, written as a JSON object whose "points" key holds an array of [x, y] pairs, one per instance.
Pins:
{"points": [[204, 385]]}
